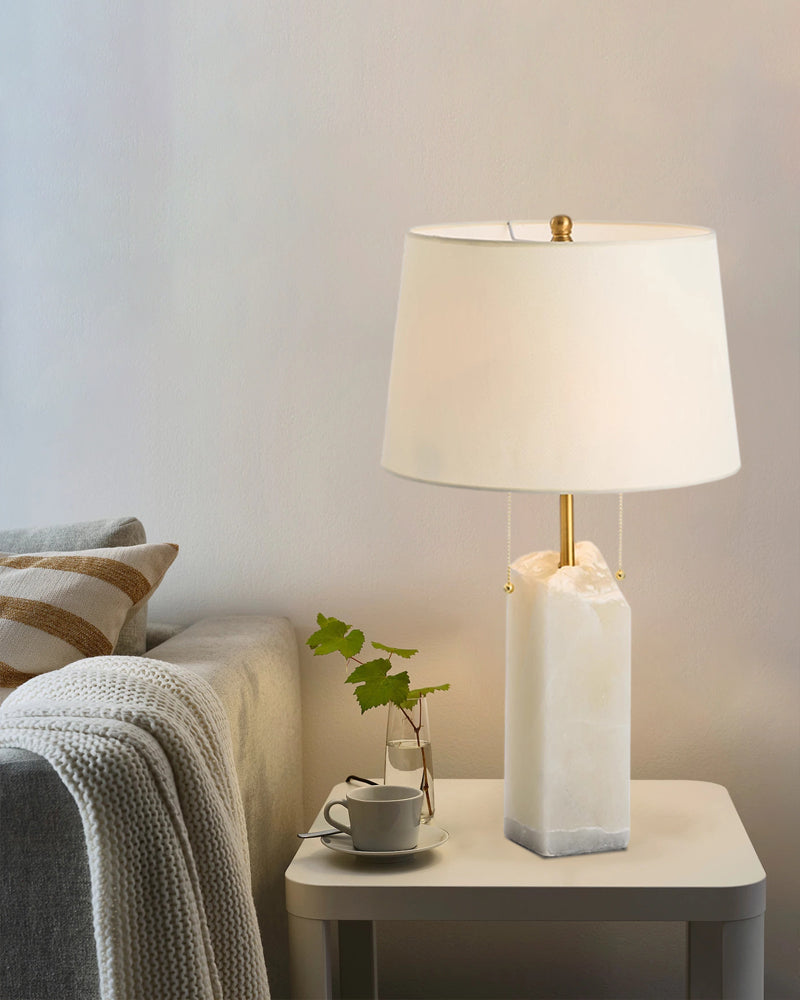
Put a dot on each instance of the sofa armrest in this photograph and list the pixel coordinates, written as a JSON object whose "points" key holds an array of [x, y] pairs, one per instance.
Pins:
{"points": [[46, 924], [252, 664]]}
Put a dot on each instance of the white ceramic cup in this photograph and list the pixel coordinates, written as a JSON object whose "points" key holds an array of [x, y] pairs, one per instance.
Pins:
{"points": [[382, 817]]}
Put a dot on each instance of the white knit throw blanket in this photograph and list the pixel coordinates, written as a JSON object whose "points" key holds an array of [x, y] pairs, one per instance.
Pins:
{"points": [[145, 749]]}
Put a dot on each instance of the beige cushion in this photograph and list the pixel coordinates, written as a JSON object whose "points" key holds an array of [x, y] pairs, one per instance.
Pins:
{"points": [[58, 607]]}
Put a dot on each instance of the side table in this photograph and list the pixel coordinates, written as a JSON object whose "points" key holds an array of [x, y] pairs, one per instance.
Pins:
{"points": [[690, 860]]}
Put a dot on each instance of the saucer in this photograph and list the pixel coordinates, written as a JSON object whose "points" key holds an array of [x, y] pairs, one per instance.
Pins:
{"points": [[429, 837]]}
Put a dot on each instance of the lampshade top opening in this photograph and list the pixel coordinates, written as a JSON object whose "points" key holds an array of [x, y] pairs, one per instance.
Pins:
{"points": [[539, 232]]}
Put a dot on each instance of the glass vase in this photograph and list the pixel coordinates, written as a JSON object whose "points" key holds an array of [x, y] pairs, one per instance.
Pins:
{"points": [[409, 757]]}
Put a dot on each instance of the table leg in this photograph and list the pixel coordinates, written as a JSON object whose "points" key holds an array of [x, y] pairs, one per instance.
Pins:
{"points": [[312, 950], [358, 973], [726, 959]]}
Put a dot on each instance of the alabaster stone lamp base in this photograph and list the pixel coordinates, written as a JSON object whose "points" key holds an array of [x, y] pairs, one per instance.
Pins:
{"points": [[568, 684]]}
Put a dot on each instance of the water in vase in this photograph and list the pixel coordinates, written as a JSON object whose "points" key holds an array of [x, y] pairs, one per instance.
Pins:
{"points": [[410, 763]]}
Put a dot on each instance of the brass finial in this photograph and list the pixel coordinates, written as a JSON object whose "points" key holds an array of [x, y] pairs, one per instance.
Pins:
{"points": [[561, 227]]}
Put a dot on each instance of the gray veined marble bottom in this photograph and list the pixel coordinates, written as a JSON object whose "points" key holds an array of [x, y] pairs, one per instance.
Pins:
{"points": [[557, 843]]}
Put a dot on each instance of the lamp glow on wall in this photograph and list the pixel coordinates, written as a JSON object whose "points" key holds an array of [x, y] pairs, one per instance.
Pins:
{"points": [[553, 358]]}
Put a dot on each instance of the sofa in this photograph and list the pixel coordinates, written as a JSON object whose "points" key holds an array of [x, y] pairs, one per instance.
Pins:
{"points": [[47, 939]]}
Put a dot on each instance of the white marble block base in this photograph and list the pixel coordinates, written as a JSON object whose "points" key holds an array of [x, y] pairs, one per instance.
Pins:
{"points": [[567, 758]]}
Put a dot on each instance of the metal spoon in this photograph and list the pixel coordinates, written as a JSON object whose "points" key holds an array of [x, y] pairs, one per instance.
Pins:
{"points": [[318, 833]]}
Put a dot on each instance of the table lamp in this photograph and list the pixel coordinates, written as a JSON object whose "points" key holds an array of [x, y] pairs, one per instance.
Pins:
{"points": [[565, 359]]}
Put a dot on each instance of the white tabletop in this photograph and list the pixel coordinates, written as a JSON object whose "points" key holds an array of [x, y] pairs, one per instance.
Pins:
{"points": [[689, 859]]}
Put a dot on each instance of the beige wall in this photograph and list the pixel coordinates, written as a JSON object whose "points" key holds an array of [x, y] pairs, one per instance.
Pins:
{"points": [[203, 215]]}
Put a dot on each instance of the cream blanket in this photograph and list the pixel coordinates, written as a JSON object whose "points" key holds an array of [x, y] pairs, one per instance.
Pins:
{"points": [[144, 748]]}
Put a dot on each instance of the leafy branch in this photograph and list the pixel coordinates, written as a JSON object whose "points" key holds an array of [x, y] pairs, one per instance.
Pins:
{"points": [[375, 685]]}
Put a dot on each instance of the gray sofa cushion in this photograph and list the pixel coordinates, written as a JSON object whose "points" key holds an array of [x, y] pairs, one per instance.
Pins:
{"points": [[106, 533], [43, 856]]}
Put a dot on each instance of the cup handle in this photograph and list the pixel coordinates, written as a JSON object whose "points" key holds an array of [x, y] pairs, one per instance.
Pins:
{"points": [[326, 812]]}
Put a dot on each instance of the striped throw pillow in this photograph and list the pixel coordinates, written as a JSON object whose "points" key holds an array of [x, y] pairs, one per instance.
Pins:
{"points": [[57, 607], [100, 534]]}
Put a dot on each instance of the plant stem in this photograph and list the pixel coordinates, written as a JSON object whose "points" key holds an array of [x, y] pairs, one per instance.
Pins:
{"points": [[425, 786]]}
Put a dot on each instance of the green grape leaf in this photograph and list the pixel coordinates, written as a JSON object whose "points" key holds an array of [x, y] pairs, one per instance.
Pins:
{"points": [[329, 631], [371, 671], [382, 690], [334, 636], [415, 695], [405, 653], [352, 643], [376, 688]]}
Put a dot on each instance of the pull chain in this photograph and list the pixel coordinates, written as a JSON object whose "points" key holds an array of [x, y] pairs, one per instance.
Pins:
{"points": [[509, 586], [620, 570]]}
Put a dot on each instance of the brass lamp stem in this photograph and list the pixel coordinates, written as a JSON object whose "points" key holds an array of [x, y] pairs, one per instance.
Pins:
{"points": [[567, 532]]}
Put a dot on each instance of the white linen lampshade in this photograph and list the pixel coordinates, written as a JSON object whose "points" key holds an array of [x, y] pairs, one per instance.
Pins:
{"points": [[591, 366]]}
